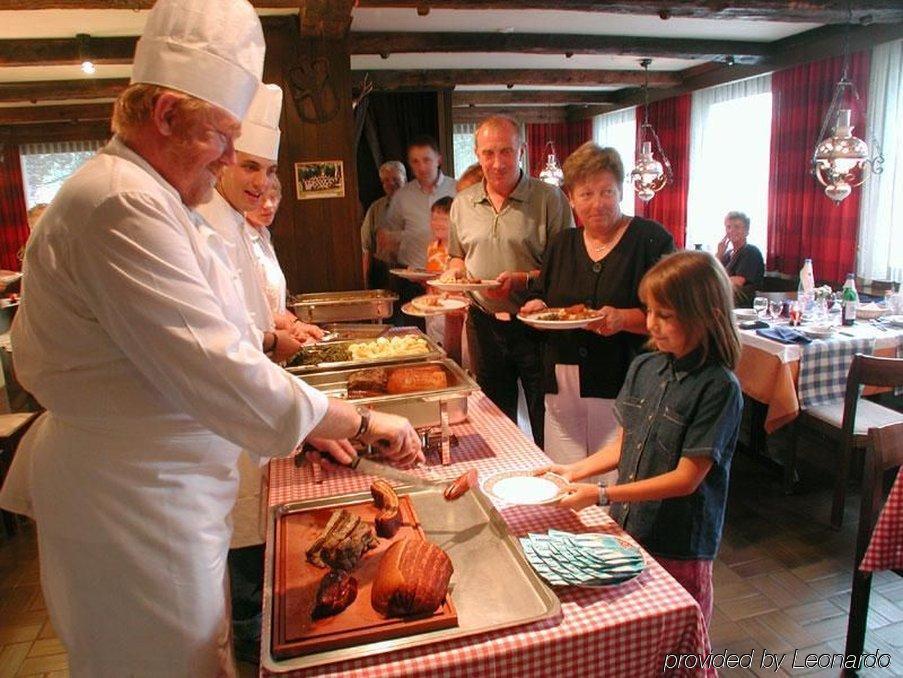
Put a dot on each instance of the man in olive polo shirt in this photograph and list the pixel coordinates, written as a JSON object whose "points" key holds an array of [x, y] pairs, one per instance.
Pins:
{"points": [[500, 229]]}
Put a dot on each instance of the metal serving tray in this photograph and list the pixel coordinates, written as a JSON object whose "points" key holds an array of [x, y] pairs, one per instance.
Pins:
{"points": [[493, 586], [356, 331], [434, 352], [320, 307], [421, 408]]}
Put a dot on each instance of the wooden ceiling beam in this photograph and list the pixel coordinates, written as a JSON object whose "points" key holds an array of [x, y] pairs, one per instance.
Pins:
{"points": [[448, 79], [519, 113], [61, 131], [542, 43], [830, 11], [56, 51], [61, 90], [542, 97], [40, 115]]}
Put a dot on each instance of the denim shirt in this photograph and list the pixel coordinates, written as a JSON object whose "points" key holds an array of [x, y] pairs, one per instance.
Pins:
{"points": [[671, 409]]}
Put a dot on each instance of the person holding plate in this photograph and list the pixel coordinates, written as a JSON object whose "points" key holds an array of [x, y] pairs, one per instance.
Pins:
{"points": [[600, 266]]}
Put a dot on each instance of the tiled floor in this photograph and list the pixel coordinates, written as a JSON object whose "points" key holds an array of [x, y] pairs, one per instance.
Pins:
{"points": [[782, 583]]}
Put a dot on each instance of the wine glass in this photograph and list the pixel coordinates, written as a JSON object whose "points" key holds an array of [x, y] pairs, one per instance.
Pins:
{"points": [[774, 310], [796, 313], [760, 304]]}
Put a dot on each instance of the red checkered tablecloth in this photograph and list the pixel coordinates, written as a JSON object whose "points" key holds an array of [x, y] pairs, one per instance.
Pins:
{"points": [[885, 551], [625, 630]]}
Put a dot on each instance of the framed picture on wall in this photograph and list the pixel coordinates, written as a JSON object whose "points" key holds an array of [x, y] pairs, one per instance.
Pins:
{"points": [[320, 179]]}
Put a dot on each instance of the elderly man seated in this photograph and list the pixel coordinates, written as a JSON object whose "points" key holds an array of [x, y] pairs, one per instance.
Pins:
{"points": [[744, 262]]}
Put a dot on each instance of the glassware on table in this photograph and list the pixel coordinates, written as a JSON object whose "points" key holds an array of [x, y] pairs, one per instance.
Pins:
{"points": [[760, 305], [796, 313], [775, 309]]}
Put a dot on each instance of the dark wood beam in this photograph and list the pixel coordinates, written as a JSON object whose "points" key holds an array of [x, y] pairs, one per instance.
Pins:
{"points": [[54, 51], [519, 113], [444, 79], [60, 90], [543, 97], [830, 11], [544, 43], [39, 115], [68, 131]]}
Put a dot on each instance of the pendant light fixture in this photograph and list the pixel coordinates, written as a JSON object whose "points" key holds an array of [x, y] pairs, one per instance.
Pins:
{"points": [[650, 175], [551, 173], [842, 161]]}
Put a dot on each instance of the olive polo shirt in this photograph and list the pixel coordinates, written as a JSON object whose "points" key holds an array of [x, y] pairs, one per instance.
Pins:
{"points": [[671, 409], [513, 239]]}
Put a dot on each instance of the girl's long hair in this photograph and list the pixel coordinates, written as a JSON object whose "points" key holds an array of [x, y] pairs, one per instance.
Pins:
{"points": [[695, 286]]}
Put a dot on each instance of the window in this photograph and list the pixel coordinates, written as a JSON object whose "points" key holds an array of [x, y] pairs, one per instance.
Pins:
{"points": [[730, 151], [881, 210], [618, 130], [46, 166], [463, 143]]}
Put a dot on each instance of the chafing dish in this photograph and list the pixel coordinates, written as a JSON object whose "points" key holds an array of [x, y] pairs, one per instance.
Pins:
{"points": [[423, 408], [319, 307], [434, 352], [356, 331]]}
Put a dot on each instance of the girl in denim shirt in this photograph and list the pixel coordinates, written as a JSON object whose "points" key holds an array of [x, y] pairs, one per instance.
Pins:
{"points": [[679, 414]]}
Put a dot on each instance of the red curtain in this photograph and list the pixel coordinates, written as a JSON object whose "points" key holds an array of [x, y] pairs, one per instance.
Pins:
{"points": [[802, 221], [567, 137], [671, 120], [13, 214]]}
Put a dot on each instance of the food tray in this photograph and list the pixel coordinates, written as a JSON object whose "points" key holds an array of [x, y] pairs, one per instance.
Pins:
{"points": [[356, 331], [493, 587], [434, 352], [422, 408], [297, 580], [320, 307]]}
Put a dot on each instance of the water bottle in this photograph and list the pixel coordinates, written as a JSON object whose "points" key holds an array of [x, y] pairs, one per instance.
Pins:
{"points": [[806, 289], [850, 301]]}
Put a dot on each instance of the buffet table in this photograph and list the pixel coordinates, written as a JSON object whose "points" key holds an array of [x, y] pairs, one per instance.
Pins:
{"points": [[769, 370], [624, 630]]}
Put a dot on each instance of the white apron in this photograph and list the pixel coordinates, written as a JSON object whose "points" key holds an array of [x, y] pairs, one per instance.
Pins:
{"points": [[136, 338]]}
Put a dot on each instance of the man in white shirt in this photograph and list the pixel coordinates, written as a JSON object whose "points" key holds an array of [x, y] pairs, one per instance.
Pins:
{"points": [[135, 336], [379, 251]]}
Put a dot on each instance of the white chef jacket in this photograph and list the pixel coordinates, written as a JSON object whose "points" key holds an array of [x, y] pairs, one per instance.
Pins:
{"points": [[134, 336], [270, 272], [231, 226]]}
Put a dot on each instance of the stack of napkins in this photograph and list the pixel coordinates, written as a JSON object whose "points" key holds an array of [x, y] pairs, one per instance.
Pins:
{"points": [[564, 558]]}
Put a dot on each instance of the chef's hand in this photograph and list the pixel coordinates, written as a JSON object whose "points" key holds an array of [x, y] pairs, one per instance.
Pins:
{"points": [[286, 346], [305, 333], [566, 471], [722, 246], [340, 451], [511, 281], [533, 306], [396, 439], [580, 495], [611, 321]]}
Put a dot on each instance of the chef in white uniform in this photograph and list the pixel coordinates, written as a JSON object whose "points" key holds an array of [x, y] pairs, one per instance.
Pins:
{"points": [[134, 335]]}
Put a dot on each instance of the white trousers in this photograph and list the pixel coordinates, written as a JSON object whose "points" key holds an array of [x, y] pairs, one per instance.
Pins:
{"points": [[577, 427]]}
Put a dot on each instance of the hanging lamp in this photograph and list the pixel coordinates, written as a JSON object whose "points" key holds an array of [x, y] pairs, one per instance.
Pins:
{"points": [[650, 175], [551, 173], [841, 161]]}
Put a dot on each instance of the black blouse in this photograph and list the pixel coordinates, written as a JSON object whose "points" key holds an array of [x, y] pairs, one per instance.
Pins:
{"points": [[569, 277]]}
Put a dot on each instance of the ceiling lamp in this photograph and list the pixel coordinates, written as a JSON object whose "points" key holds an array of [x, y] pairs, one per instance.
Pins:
{"points": [[84, 53], [650, 175], [551, 173], [841, 161]]}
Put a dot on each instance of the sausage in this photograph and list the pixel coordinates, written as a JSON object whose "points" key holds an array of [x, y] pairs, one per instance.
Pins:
{"points": [[460, 485]]}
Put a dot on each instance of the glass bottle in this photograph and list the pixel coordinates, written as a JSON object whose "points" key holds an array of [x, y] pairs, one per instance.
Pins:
{"points": [[850, 300]]}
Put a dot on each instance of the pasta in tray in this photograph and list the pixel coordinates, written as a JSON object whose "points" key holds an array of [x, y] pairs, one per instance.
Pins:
{"points": [[388, 347]]}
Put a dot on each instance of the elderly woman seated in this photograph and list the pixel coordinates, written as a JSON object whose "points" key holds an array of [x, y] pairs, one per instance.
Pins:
{"points": [[744, 262]]}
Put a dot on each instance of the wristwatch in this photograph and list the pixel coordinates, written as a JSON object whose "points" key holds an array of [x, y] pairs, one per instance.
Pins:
{"points": [[365, 423], [603, 496]]}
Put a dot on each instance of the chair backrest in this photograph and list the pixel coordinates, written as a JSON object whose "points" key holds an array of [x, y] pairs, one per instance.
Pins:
{"points": [[868, 370], [884, 452]]}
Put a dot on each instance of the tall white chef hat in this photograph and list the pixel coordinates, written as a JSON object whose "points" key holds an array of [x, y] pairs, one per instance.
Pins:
{"points": [[260, 128], [212, 51]]}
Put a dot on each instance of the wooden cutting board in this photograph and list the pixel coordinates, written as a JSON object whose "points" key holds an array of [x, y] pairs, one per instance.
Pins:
{"points": [[296, 583]]}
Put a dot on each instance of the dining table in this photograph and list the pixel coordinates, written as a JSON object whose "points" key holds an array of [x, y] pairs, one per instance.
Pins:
{"points": [[885, 549], [648, 626], [769, 370]]}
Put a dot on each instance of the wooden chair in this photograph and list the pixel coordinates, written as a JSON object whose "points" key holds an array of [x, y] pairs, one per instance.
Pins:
{"points": [[12, 428], [884, 452], [850, 419]]}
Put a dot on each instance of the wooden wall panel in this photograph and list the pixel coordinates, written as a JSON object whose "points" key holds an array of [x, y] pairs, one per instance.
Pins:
{"points": [[317, 241]]}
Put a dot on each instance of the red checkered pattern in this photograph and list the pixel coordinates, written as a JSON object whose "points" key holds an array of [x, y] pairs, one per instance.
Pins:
{"points": [[885, 551], [624, 630]]}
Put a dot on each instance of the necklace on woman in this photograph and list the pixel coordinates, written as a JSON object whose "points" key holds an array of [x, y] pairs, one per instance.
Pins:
{"points": [[600, 249]]}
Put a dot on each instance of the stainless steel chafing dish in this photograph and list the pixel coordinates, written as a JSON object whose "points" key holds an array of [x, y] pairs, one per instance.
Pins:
{"points": [[356, 331], [422, 408], [320, 307], [434, 352]]}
